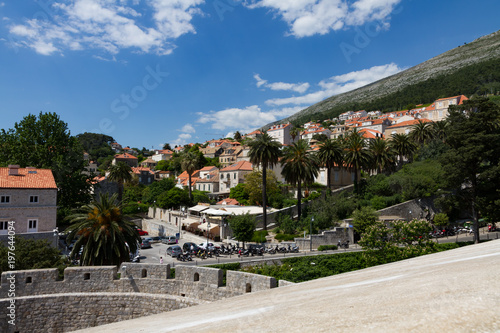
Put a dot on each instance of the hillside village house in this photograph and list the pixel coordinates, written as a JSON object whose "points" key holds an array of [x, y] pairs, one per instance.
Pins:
{"points": [[145, 175], [281, 133], [441, 106], [229, 156], [116, 147], [28, 196], [162, 155], [312, 131], [233, 175], [131, 160], [403, 127], [149, 163], [209, 183]]}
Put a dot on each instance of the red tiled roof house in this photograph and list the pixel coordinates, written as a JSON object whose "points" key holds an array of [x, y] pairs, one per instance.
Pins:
{"points": [[28, 196]]}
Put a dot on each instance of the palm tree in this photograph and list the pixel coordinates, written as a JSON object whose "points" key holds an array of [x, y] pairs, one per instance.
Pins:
{"points": [[421, 132], [382, 155], [330, 153], [107, 238], [190, 162], [403, 146], [264, 151], [439, 129], [120, 173], [300, 166], [356, 154]]}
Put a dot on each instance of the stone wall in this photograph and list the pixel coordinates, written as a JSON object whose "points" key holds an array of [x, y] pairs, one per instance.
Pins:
{"points": [[330, 237], [413, 209], [247, 282], [90, 296], [68, 312]]}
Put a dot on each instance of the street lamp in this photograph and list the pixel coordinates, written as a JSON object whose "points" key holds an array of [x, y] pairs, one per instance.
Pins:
{"points": [[56, 234], [310, 235], [208, 228]]}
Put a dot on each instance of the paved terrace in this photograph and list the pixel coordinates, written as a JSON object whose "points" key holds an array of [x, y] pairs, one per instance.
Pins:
{"points": [[452, 291]]}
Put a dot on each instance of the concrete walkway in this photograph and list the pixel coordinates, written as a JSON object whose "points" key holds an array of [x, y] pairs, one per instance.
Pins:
{"points": [[451, 291]]}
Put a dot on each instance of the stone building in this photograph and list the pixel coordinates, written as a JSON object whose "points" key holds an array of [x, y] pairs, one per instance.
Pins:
{"points": [[28, 196]]}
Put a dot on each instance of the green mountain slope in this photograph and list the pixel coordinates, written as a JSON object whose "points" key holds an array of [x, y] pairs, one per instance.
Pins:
{"points": [[467, 69]]}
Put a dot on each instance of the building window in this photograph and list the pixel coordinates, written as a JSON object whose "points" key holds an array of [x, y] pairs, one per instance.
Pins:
{"points": [[336, 176], [33, 198], [4, 226], [234, 176], [5, 199], [32, 225]]}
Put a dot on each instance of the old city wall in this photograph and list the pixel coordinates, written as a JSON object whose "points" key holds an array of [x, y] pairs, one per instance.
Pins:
{"points": [[91, 296]]}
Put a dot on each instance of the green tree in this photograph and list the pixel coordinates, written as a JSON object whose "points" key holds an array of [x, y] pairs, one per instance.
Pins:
{"points": [[237, 136], [167, 146], [356, 154], [239, 193], [363, 218], [439, 129], [32, 254], [253, 186], [383, 243], [46, 142], [173, 198], [472, 163], [264, 151], [243, 227], [190, 163], [104, 233], [151, 192], [403, 146], [421, 132], [441, 220], [382, 155], [300, 167], [330, 154], [120, 173]]}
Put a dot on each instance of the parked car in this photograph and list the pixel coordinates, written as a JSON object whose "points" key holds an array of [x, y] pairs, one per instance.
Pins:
{"points": [[174, 251], [169, 240], [190, 247], [141, 232], [145, 244], [149, 239], [156, 239]]}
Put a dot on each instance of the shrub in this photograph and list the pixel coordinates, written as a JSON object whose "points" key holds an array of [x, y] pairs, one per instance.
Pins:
{"points": [[285, 237], [327, 247], [446, 246], [259, 236]]}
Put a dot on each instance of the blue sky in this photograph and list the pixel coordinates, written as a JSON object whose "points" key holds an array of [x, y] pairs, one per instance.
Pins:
{"points": [[180, 71]]}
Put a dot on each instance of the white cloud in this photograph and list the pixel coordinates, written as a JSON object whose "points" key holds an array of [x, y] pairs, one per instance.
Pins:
{"points": [[310, 17], [244, 120], [188, 128], [339, 84], [297, 87], [110, 26]]}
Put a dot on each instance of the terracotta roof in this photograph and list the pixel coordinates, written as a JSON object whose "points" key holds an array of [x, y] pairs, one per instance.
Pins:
{"points": [[371, 134], [242, 165], [409, 123], [229, 201], [28, 178], [138, 170], [278, 127], [126, 156], [208, 168]]}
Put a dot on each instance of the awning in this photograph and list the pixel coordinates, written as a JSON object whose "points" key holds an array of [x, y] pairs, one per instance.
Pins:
{"points": [[213, 227], [216, 212], [198, 208]]}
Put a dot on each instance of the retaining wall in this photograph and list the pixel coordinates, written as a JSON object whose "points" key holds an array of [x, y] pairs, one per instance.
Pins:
{"points": [[91, 296]]}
